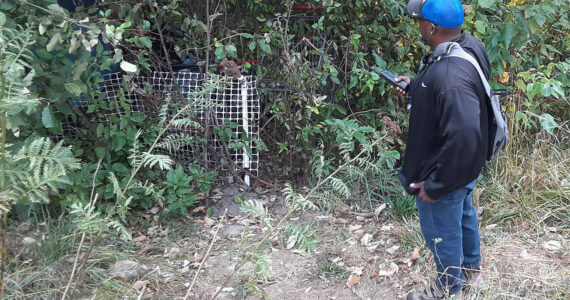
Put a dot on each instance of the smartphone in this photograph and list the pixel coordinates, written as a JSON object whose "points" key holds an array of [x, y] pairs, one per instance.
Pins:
{"points": [[391, 78]]}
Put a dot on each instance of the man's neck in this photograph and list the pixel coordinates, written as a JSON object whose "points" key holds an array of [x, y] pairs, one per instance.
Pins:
{"points": [[443, 38]]}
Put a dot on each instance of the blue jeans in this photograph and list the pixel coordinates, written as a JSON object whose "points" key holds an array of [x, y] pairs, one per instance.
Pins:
{"points": [[451, 232]]}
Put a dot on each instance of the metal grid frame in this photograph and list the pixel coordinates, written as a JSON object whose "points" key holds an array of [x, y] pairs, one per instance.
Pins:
{"points": [[236, 101]]}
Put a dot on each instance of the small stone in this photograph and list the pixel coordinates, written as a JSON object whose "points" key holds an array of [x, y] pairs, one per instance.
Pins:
{"points": [[126, 269], [366, 240], [231, 230], [154, 210], [29, 241], [392, 250]]}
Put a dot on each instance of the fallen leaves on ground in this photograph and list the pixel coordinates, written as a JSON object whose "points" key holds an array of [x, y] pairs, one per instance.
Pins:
{"points": [[353, 280]]}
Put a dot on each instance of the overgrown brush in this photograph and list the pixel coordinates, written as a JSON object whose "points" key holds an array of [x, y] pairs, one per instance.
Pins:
{"points": [[531, 180]]}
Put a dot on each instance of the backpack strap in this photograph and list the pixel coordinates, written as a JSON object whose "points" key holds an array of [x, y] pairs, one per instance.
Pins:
{"points": [[455, 50]]}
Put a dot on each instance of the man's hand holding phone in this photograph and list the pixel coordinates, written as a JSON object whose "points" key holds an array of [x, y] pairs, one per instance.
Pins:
{"points": [[405, 79]]}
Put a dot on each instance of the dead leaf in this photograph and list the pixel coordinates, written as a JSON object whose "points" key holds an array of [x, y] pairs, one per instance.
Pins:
{"points": [[198, 258], [416, 254], [379, 209], [291, 241], [552, 245], [386, 272], [307, 290], [359, 231], [417, 277], [394, 267], [353, 280], [128, 67], [366, 240], [172, 252], [354, 227], [143, 250], [392, 250], [141, 238], [372, 248], [491, 226], [209, 222], [360, 219], [373, 275], [198, 209], [140, 284]]}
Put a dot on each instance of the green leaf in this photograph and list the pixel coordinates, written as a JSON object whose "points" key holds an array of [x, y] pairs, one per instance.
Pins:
{"points": [[487, 3], [146, 25], [246, 35], [145, 42], [552, 49], [79, 70], [353, 81], [252, 45], [508, 35], [47, 117], [220, 54], [547, 122], [264, 46], [73, 89], [2, 19], [381, 63], [231, 50], [480, 26], [100, 152]]}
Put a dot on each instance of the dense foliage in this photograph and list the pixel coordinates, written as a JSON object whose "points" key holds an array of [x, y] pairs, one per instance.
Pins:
{"points": [[316, 91]]}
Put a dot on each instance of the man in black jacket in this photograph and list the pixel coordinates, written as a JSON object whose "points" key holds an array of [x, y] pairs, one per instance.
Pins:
{"points": [[447, 145]]}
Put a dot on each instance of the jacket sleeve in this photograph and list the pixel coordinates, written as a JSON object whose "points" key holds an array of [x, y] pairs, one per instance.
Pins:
{"points": [[460, 135]]}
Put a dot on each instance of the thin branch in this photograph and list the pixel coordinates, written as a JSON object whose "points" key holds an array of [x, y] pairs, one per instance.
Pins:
{"points": [[205, 256]]}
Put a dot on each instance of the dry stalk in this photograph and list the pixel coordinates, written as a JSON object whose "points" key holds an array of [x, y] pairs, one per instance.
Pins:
{"points": [[93, 200], [205, 256]]}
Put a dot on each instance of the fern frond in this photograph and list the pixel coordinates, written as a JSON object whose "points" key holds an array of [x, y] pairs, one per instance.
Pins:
{"points": [[340, 187], [41, 151], [149, 160], [163, 114], [115, 182], [175, 141], [184, 124]]}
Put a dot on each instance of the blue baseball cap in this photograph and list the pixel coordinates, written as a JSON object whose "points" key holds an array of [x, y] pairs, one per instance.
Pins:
{"points": [[444, 13]]}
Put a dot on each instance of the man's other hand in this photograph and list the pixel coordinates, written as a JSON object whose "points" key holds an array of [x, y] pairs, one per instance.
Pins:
{"points": [[423, 196], [405, 79]]}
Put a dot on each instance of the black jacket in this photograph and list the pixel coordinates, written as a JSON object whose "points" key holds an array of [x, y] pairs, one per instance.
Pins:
{"points": [[448, 129]]}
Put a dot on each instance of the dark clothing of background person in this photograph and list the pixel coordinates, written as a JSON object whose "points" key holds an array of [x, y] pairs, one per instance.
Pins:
{"points": [[448, 132]]}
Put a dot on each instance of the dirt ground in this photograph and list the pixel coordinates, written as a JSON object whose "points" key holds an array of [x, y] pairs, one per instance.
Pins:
{"points": [[355, 257]]}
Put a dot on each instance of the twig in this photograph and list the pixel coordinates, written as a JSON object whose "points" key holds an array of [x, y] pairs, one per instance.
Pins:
{"points": [[78, 253], [364, 215], [164, 49], [92, 201], [142, 292], [205, 256]]}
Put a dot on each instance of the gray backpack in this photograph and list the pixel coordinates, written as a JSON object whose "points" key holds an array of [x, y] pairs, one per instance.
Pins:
{"points": [[499, 133]]}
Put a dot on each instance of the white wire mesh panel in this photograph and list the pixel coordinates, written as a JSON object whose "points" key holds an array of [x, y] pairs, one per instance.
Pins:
{"points": [[236, 103]]}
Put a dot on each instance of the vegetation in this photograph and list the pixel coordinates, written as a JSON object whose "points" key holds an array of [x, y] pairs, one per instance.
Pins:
{"points": [[326, 121]]}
